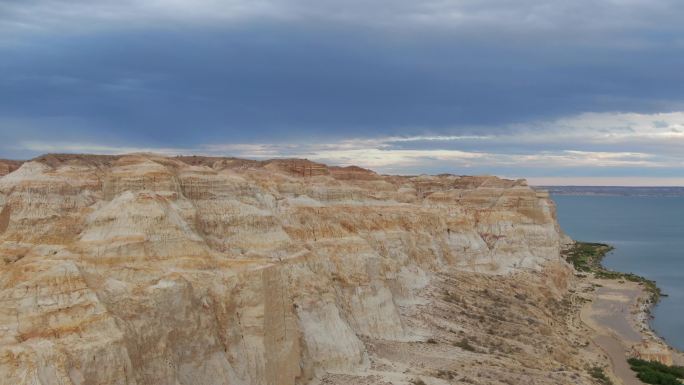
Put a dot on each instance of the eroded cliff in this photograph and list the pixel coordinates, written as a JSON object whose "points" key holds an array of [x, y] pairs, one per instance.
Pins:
{"points": [[143, 269], [7, 166]]}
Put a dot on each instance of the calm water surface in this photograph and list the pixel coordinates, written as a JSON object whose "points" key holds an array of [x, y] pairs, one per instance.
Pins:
{"points": [[648, 235]]}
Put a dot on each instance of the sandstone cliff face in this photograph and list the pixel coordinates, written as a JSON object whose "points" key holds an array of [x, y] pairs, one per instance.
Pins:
{"points": [[143, 269]]}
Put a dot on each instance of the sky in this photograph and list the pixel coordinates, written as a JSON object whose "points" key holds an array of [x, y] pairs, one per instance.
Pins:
{"points": [[559, 92]]}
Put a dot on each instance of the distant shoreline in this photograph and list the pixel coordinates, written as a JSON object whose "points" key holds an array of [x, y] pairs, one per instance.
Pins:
{"points": [[674, 191]]}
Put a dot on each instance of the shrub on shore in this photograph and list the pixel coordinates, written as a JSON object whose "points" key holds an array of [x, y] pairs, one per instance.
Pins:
{"points": [[598, 373], [652, 372], [587, 257]]}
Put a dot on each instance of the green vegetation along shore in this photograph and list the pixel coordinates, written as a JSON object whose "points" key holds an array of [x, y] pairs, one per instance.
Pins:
{"points": [[656, 373], [587, 257]]}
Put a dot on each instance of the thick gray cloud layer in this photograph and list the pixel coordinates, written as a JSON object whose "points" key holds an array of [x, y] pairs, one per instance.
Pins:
{"points": [[530, 87]]}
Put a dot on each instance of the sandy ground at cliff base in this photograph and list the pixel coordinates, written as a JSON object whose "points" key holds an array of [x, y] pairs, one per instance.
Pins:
{"points": [[617, 313]]}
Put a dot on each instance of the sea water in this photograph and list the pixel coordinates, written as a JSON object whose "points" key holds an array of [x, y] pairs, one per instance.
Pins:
{"points": [[648, 236]]}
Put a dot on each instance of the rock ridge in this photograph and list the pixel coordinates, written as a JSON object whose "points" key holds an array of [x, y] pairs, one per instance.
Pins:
{"points": [[145, 269]]}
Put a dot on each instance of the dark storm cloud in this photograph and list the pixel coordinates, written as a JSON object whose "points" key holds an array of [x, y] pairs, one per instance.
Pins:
{"points": [[283, 77]]}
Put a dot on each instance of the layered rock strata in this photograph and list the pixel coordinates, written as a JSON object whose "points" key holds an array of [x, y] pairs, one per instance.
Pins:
{"points": [[7, 166], [143, 269]]}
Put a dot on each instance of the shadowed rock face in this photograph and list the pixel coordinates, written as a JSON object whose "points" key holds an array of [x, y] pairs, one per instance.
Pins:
{"points": [[143, 269], [7, 166]]}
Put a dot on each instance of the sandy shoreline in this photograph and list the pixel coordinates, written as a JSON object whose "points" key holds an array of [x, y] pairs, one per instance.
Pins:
{"points": [[618, 313]]}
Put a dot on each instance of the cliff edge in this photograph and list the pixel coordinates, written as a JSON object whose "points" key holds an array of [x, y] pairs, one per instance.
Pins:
{"points": [[143, 269]]}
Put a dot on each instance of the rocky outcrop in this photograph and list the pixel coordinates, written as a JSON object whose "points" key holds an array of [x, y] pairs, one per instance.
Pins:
{"points": [[649, 351], [7, 166], [142, 269]]}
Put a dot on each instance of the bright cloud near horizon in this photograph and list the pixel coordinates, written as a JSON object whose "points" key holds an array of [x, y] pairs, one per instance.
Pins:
{"points": [[581, 92]]}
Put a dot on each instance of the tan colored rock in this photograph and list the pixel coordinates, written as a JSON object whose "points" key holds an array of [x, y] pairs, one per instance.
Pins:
{"points": [[649, 351], [143, 269]]}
